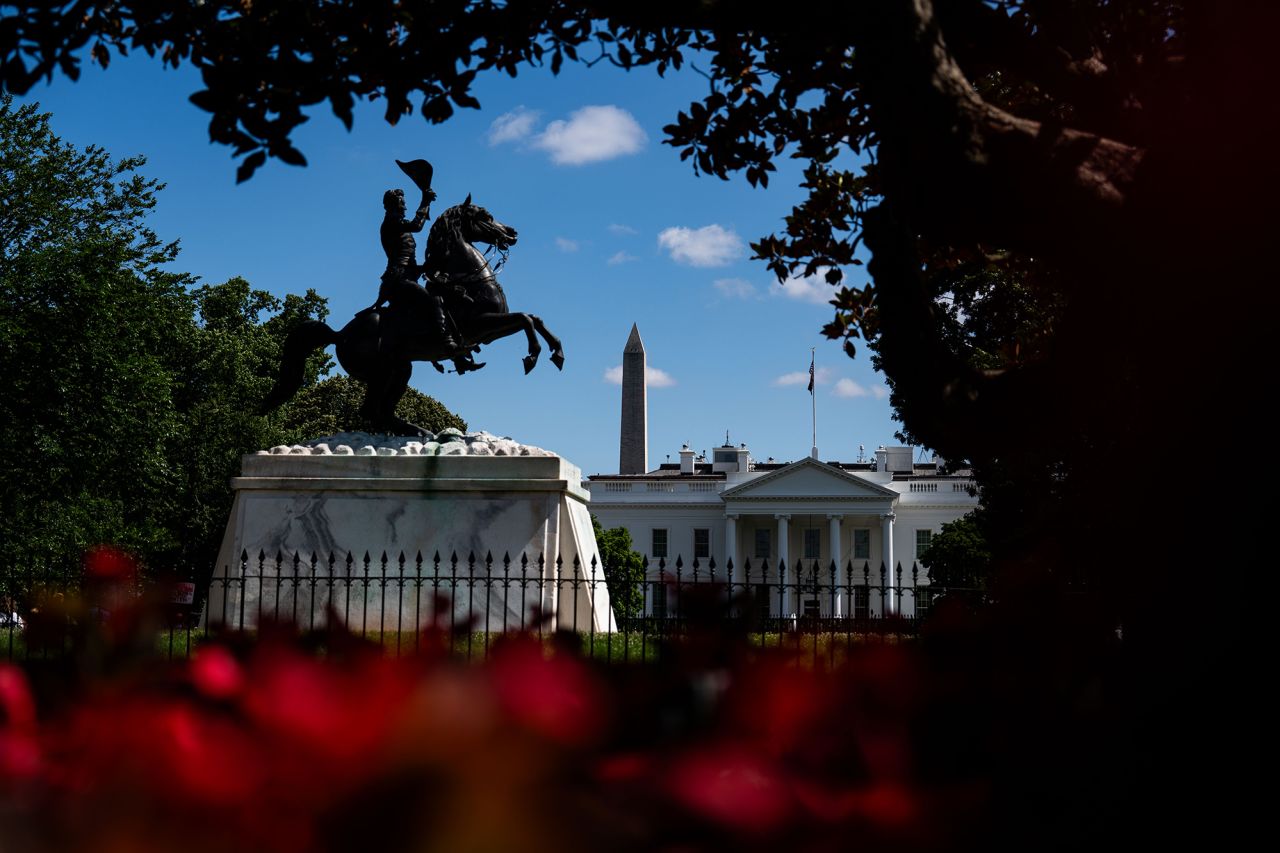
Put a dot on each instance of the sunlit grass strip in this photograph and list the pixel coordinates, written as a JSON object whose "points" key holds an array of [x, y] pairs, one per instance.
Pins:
{"points": [[819, 649]]}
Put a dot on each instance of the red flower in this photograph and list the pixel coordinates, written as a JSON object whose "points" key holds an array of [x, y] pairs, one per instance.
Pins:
{"points": [[107, 562], [216, 673], [19, 753], [556, 696], [732, 786]]}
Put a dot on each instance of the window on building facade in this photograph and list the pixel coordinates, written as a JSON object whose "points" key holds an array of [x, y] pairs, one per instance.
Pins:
{"points": [[762, 542], [659, 548], [725, 456], [923, 538], [924, 600], [659, 599], [702, 542], [862, 544], [861, 602], [760, 601], [812, 543]]}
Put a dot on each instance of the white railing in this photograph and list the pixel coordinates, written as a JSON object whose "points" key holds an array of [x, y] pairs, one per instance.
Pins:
{"points": [[656, 487]]}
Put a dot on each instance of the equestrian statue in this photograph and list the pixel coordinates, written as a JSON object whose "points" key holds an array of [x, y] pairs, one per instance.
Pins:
{"points": [[460, 308]]}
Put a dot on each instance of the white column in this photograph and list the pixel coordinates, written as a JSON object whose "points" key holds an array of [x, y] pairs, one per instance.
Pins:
{"points": [[783, 555], [731, 549], [834, 521], [886, 550]]}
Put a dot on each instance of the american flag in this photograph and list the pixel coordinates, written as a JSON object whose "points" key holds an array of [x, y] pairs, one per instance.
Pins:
{"points": [[811, 373]]}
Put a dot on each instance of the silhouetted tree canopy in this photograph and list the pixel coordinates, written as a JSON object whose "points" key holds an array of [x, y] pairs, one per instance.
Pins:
{"points": [[1061, 145]]}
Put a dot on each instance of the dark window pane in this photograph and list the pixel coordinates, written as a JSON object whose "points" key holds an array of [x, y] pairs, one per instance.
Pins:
{"points": [[812, 539], [702, 542], [762, 542], [659, 548], [923, 538], [862, 544]]}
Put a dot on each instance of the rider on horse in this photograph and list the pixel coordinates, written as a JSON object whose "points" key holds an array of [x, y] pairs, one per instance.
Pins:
{"points": [[400, 284]]}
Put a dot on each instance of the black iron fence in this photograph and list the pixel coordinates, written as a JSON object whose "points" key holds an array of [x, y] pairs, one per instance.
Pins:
{"points": [[45, 605]]}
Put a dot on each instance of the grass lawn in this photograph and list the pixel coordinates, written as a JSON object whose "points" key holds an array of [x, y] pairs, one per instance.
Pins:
{"points": [[619, 647]]}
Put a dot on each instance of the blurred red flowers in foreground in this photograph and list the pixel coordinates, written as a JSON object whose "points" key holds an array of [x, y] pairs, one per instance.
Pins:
{"points": [[105, 562], [975, 736], [263, 745]]}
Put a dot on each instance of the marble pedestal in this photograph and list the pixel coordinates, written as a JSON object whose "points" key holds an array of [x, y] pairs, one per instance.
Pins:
{"points": [[302, 523]]}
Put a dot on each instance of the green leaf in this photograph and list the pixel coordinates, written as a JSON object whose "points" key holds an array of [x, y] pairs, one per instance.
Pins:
{"points": [[250, 165]]}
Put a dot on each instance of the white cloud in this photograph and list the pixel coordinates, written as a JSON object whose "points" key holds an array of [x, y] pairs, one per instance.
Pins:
{"points": [[512, 126], [564, 244], [880, 392], [848, 388], [590, 135], [821, 376], [653, 377], [735, 288], [622, 230], [810, 288], [708, 246], [621, 258]]}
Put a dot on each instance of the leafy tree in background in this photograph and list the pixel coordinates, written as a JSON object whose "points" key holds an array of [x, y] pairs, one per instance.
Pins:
{"points": [[228, 354], [958, 556], [129, 394], [89, 323], [332, 405], [623, 570]]}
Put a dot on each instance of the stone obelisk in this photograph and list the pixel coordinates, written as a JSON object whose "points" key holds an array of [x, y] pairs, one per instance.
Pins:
{"points": [[633, 453]]}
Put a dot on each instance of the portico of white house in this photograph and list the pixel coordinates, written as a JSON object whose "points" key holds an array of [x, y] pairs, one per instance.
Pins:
{"points": [[810, 515]]}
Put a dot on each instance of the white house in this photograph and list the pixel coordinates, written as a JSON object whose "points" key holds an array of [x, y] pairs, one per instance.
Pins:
{"points": [[833, 524]]}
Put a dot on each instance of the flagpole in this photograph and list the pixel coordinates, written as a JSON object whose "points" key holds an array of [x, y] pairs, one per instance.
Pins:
{"points": [[813, 399]]}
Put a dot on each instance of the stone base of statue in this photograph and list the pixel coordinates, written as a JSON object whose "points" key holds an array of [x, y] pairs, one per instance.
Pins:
{"points": [[392, 535]]}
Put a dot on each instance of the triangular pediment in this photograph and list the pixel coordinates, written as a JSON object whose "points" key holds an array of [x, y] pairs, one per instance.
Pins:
{"points": [[809, 478]]}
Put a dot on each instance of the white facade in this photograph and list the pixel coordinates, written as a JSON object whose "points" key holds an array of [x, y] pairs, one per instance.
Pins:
{"points": [[847, 519], [807, 538]]}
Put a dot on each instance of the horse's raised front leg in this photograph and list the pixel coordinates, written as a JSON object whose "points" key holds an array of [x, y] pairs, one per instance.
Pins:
{"points": [[526, 320], [490, 327], [557, 353]]}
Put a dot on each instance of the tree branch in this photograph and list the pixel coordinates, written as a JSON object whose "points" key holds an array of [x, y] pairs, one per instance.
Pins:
{"points": [[1019, 181]]}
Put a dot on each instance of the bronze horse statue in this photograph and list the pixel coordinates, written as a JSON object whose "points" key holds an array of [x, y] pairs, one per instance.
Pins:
{"points": [[379, 347]]}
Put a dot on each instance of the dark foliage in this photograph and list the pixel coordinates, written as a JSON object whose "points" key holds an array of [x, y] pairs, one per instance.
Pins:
{"points": [[332, 405], [958, 555], [623, 570]]}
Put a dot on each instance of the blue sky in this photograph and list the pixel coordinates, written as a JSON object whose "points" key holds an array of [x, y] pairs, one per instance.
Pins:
{"points": [[614, 229]]}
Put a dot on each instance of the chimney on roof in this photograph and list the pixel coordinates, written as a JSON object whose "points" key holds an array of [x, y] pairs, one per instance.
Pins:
{"points": [[686, 460], [633, 445], [899, 460]]}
